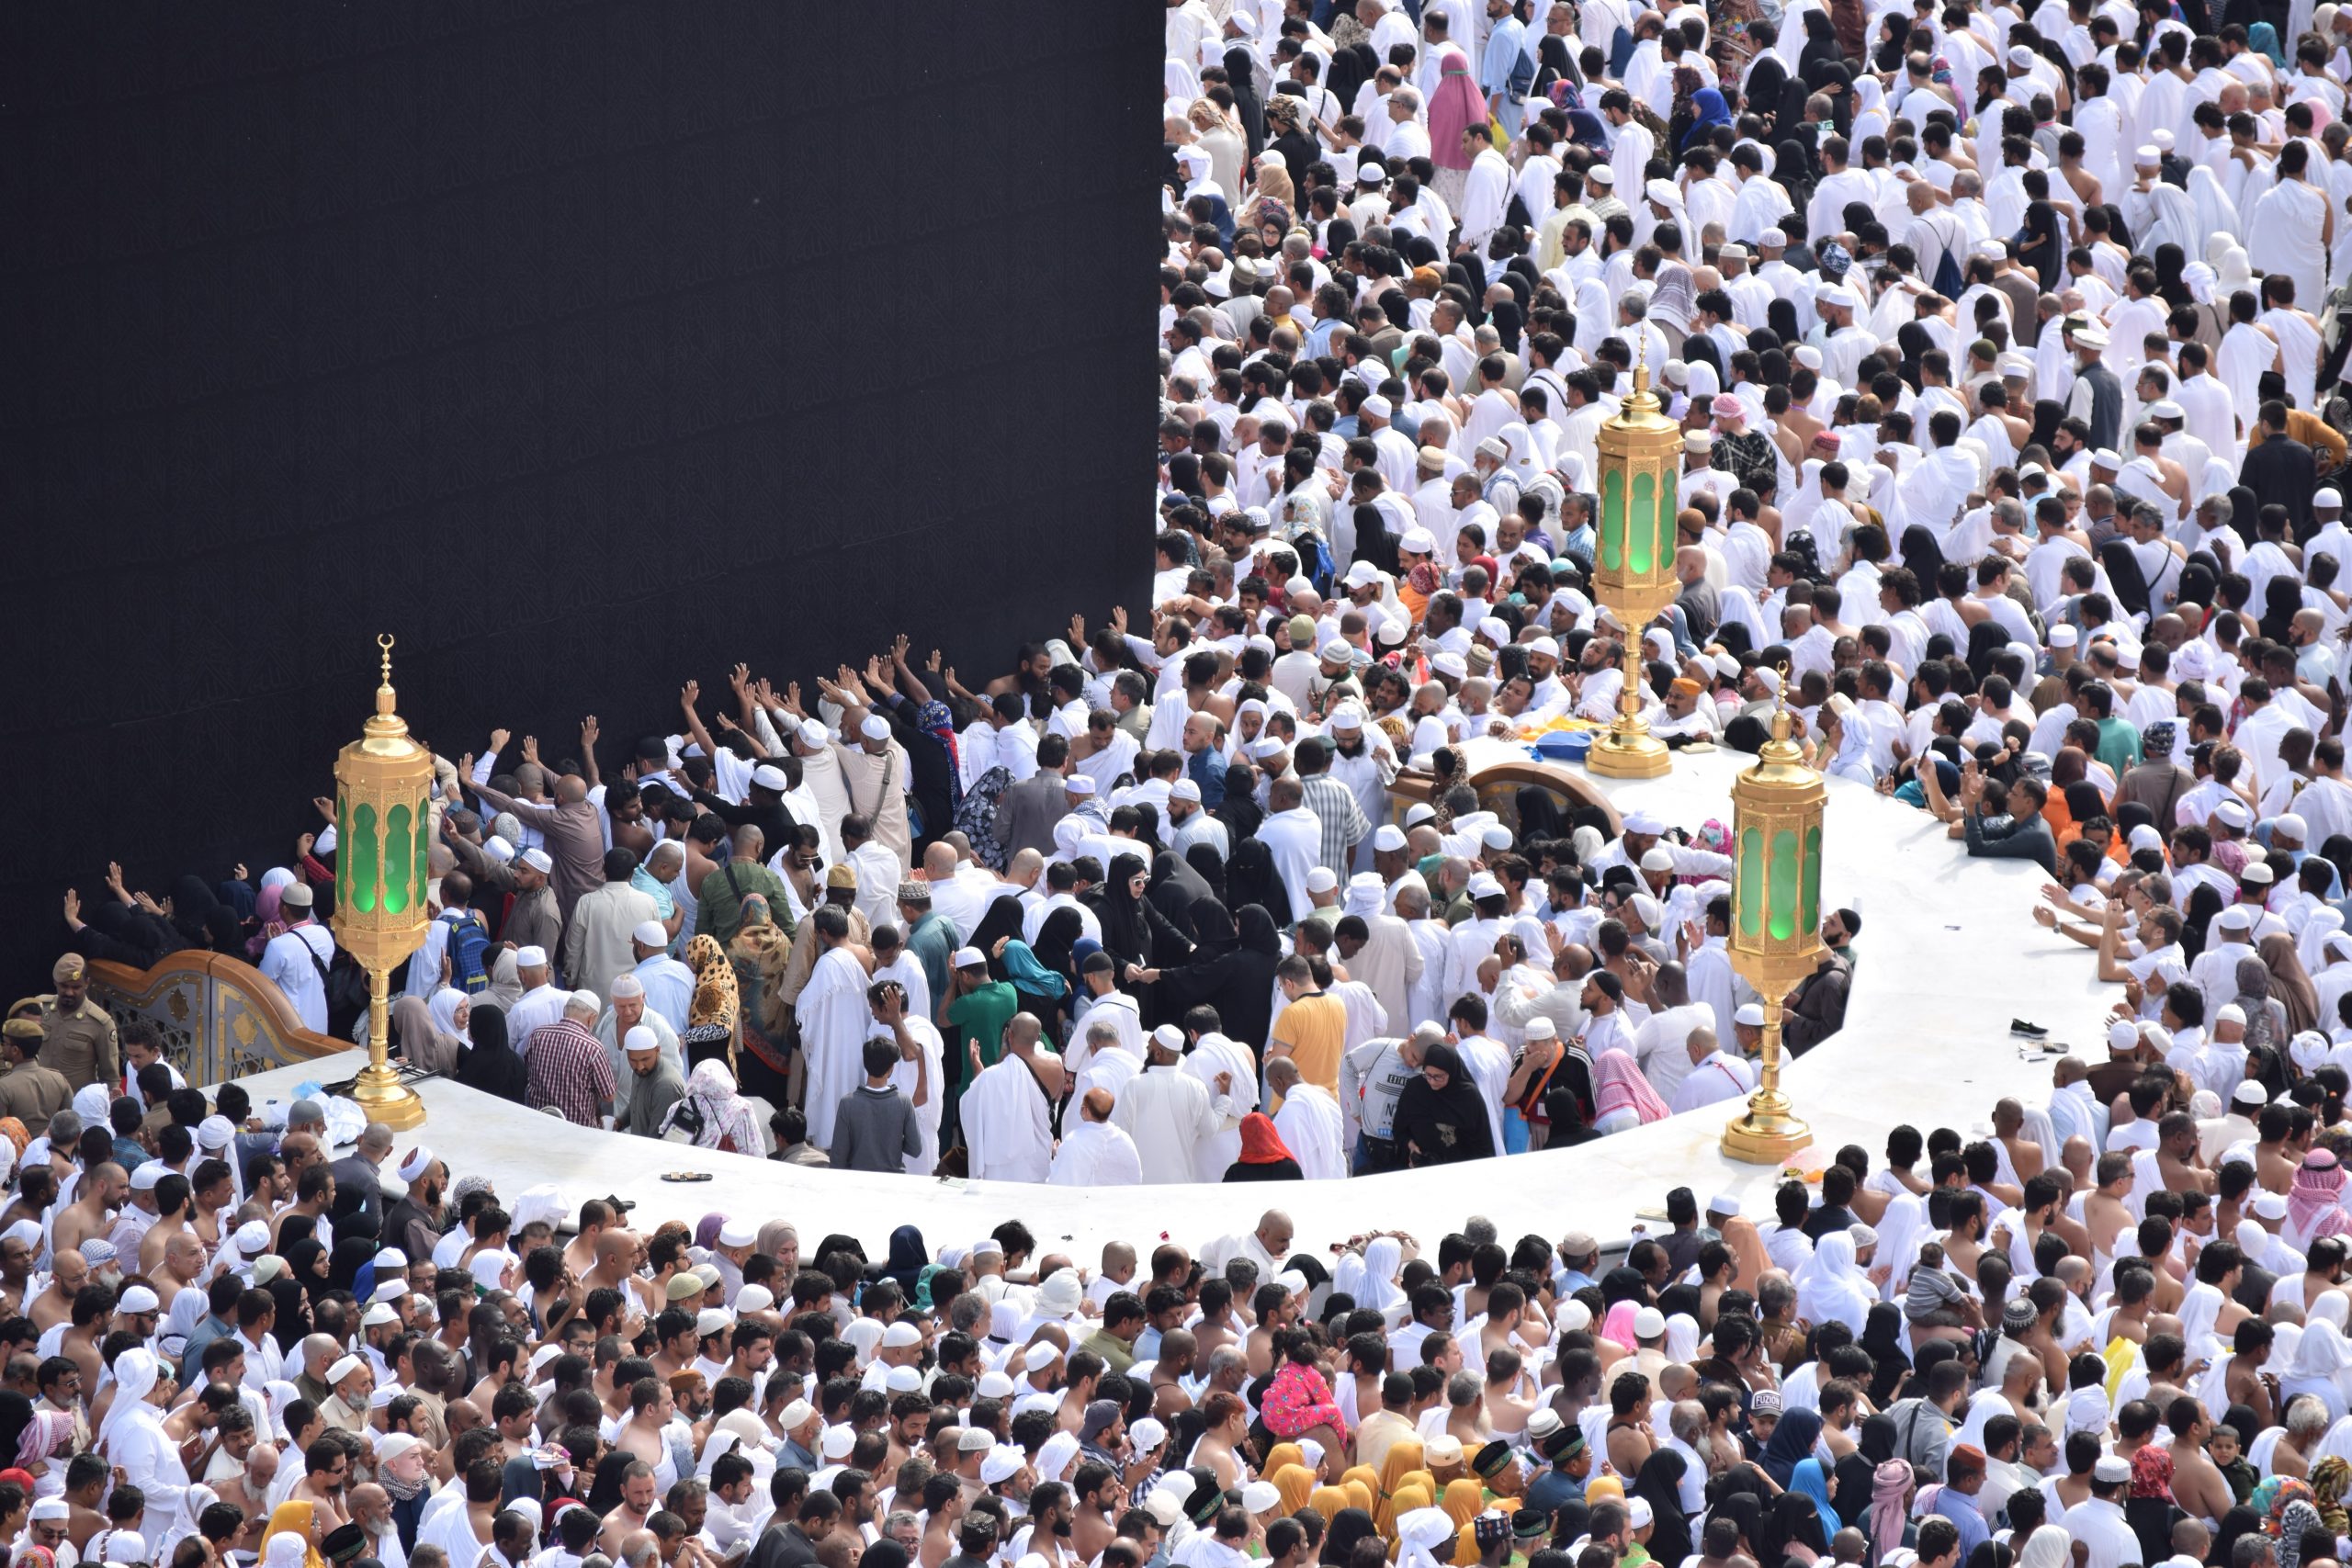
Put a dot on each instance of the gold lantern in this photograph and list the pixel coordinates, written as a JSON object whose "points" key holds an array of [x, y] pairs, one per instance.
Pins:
{"points": [[383, 824], [1775, 920], [1641, 461]]}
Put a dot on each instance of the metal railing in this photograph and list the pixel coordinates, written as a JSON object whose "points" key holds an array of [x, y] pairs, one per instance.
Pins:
{"points": [[221, 1017]]}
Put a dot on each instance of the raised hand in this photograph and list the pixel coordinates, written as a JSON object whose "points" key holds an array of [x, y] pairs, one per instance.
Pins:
{"points": [[934, 662], [688, 695], [531, 749], [588, 732], [739, 679], [325, 805], [498, 740]]}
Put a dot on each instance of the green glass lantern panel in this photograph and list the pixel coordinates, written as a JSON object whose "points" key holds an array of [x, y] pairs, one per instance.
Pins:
{"points": [[361, 851], [1613, 517], [1663, 518], [397, 860], [424, 845], [1641, 527], [1784, 897], [1749, 889], [345, 893], [1809, 910]]}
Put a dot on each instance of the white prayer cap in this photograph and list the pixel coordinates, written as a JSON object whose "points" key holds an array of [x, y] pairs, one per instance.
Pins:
{"points": [[2111, 1469], [26, 1231], [1002, 1464], [344, 1368], [252, 1237], [2060, 636], [710, 1321], [498, 849], [2091, 337], [1419, 813], [1322, 879], [993, 1384], [2021, 55], [2329, 496], [1040, 1356], [1752, 1015], [214, 1132], [51, 1508], [1648, 822], [2268, 1205], [2258, 874], [1485, 886], [375, 1317], [2291, 824], [1388, 838], [811, 733], [1417, 541], [767, 776], [967, 958], [1451, 664], [1541, 1028], [1146, 1434], [2237, 918], [649, 933], [537, 860], [1809, 356], [875, 728], [139, 1298], [902, 1380], [627, 986], [1184, 789], [1079, 784], [587, 1000], [1992, 249], [2166, 408], [2249, 1092], [899, 1335], [143, 1179], [1265, 746], [1722, 1203], [2147, 158], [2018, 365], [838, 1442], [2145, 836], [1377, 407], [2231, 1013], [1772, 240], [753, 1298], [1495, 837], [490, 1268], [1657, 858], [1370, 172], [531, 957], [737, 1233], [795, 1413], [1261, 1497], [1601, 175], [1494, 626], [2234, 812]]}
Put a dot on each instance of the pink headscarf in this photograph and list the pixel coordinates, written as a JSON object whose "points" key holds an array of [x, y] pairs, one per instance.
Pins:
{"points": [[1455, 108], [2313, 1206], [1617, 1085], [1618, 1326]]}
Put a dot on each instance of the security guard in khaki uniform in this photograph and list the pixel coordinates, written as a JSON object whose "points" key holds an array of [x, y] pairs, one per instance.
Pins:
{"points": [[78, 1034]]}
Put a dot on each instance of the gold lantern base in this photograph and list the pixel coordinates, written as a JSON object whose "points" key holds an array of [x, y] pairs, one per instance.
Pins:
{"points": [[1629, 751], [378, 1090], [1770, 1132]]}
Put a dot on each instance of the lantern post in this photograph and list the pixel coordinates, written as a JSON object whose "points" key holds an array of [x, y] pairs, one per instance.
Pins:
{"points": [[1640, 453], [383, 817], [1777, 810]]}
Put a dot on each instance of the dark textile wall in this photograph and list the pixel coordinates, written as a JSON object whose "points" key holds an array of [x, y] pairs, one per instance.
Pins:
{"points": [[586, 347]]}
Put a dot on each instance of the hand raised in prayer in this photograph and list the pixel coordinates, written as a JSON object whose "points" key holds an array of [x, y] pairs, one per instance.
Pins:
{"points": [[148, 904], [792, 700], [900, 648], [238, 871], [878, 673], [588, 732], [1076, 631], [937, 662], [325, 805], [465, 766], [72, 909], [498, 740], [688, 695], [531, 749], [1119, 619], [739, 679]]}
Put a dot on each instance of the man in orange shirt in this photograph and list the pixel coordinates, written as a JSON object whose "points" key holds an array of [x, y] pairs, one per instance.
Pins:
{"points": [[1313, 1028]]}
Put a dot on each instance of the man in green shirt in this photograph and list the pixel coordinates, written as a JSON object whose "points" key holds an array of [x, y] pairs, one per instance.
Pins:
{"points": [[973, 1012], [719, 900]]}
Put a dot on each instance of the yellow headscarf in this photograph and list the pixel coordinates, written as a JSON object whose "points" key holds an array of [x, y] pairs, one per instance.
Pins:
{"points": [[1465, 1543], [295, 1518], [1461, 1500], [1327, 1501], [1404, 1458], [1601, 1486], [1360, 1493], [1280, 1456], [1404, 1500], [1296, 1483]]}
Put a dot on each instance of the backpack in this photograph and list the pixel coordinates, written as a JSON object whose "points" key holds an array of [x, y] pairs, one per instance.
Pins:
{"points": [[1949, 281], [1314, 559], [1522, 77], [468, 949]]}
